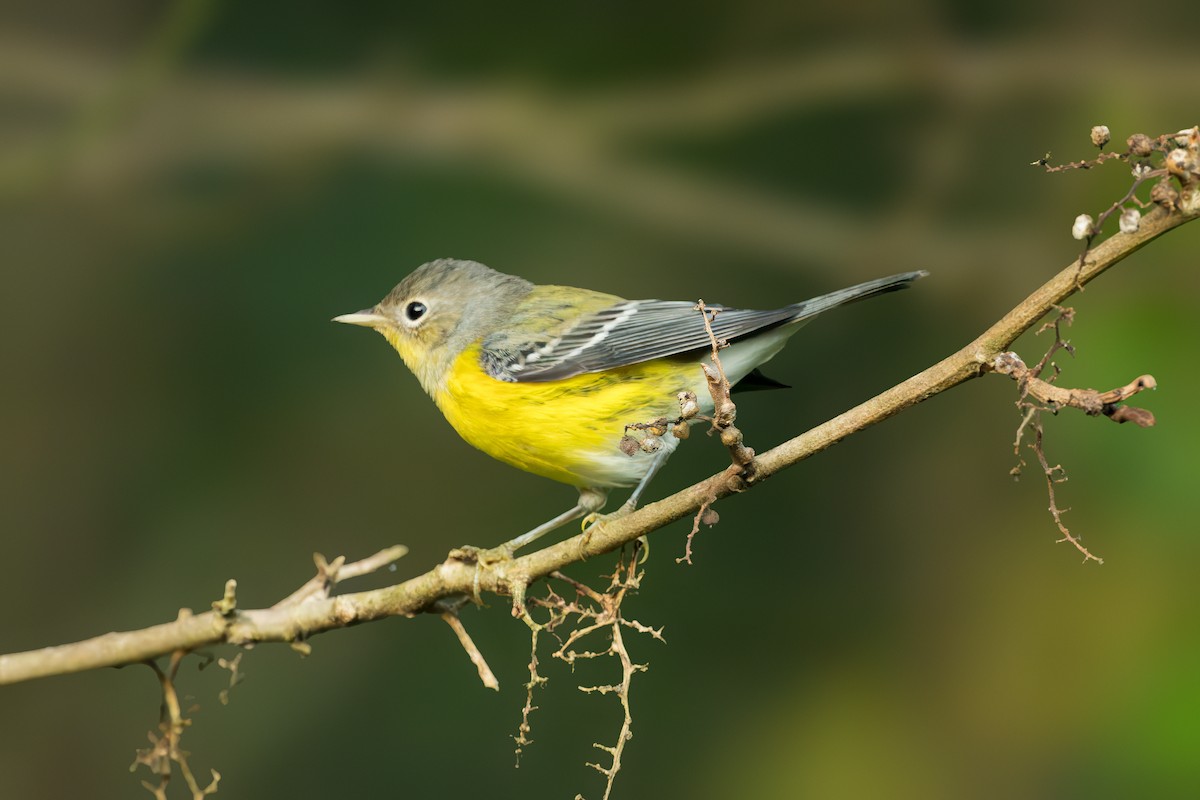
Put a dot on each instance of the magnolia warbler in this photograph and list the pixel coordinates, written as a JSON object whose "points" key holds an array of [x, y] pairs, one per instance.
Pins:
{"points": [[546, 378]]}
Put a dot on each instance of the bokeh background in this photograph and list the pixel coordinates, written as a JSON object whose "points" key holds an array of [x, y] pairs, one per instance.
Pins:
{"points": [[191, 189]]}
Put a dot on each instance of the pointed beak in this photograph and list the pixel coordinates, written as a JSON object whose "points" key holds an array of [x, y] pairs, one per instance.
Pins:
{"points": [[368, 318]]}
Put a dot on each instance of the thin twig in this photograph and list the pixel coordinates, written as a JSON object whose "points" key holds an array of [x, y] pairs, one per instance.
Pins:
{"points": [[535, 680], [705, 515], [725, 411], [1055, 475], [596, 612], [165, 750], [486, 675], [330, 573]]}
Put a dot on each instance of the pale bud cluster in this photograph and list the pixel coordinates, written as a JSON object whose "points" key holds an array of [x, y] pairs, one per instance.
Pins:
{"points": [[651, 440], [1083, 227], [1181, 162]]}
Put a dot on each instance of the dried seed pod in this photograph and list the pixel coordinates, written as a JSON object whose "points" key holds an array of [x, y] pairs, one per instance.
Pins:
{"points": [[1182, 163], [1164, 194], [1139, 145], [1131, 220], [1083, 227], [651, 444], [688, 407]]}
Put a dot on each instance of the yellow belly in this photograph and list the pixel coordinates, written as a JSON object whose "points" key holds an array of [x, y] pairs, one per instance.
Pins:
{"points": [[567, 430]]}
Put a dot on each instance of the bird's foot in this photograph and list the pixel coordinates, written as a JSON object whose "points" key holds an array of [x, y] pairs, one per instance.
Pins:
{"points": [[482, 559], [496, 560], [596, 521]]}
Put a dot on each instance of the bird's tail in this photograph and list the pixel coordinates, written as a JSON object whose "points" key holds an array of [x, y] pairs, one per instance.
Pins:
{"points": [[851, 294]]}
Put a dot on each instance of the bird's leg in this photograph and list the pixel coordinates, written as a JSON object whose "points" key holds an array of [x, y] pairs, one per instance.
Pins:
{"points": [[591, 500], [592, 520], [659, 460]]}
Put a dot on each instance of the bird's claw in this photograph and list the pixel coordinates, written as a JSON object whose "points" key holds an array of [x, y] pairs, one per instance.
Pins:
{"points": [[481, 558], [595, 521]]}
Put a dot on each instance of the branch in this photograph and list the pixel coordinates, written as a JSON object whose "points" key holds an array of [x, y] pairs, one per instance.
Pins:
{"points": [[296, 621], [1089, 401]]}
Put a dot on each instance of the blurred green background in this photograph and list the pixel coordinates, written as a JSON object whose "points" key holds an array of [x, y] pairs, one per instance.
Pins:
{"points": [[190, 190]]}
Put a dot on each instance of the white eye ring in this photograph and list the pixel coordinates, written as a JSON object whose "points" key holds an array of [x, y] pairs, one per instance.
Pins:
{"points": [[414, 313]]}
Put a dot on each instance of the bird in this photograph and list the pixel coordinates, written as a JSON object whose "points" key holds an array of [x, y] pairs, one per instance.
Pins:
{"points": [[546, 378]]}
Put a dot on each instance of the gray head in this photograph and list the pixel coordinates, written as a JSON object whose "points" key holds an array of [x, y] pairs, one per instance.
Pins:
{"points": [[439, 310]]}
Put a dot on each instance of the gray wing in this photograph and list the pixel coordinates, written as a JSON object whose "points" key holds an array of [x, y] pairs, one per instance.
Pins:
{"points": [[634, 331]]}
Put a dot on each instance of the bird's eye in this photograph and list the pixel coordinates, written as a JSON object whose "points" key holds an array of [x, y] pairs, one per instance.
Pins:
{"points": [[415, 310]]}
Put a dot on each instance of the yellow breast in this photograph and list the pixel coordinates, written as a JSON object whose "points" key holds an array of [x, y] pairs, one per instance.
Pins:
{"points": [[567, 430]]}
